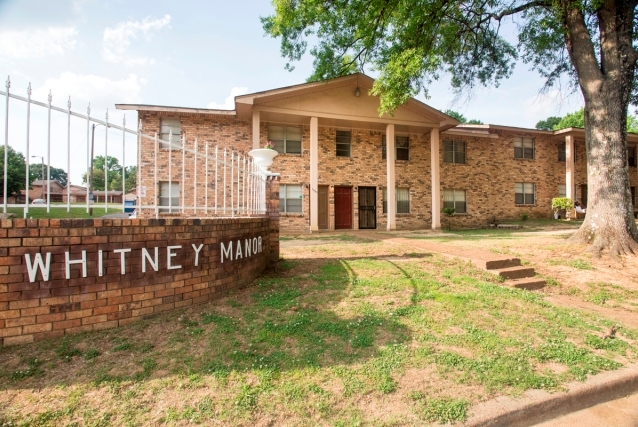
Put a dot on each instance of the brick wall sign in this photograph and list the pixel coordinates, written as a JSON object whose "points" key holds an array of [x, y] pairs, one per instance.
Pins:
{"points": [[66, 276]]}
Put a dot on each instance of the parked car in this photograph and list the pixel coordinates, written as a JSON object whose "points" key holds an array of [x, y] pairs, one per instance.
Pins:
{"points": [[39, 202]]}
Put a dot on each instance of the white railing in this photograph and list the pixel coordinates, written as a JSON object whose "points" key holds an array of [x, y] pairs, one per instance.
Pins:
{"points": [[233, 184]]}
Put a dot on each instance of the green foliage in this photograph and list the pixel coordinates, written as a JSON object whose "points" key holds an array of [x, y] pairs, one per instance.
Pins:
{"points": [[36, 172], [114, 170], [548, 123], [16, 171], [524, 216], [66, 351], [461, 118], [577, 120], [559, 203]]}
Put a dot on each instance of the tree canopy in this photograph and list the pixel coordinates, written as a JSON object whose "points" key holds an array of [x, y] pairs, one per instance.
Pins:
{"points": [[114, 174], [461, 118], [577, 120], [58, 174], [548, 123], [16, 171]]}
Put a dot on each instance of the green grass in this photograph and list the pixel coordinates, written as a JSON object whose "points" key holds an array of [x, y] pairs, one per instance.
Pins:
{"points": [[315, 347], [578, 263], [40, 211]]}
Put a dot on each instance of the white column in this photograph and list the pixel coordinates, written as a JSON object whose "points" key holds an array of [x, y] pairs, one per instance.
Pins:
{"points": [[391, 178], [314, 174], [255, 129], [569, 167], [436, 178]]}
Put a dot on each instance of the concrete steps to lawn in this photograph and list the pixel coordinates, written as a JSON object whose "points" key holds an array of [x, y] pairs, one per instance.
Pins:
{"points": [[515, 274]]}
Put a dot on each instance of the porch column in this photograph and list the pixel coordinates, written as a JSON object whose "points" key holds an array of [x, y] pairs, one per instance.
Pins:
{"points": [[314, 174], [436, 178], [255, 129], [391, 184], [569, 167]]}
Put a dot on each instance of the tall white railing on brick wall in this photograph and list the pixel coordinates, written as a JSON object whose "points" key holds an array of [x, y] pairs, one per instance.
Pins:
{"points": [[233, 184]]}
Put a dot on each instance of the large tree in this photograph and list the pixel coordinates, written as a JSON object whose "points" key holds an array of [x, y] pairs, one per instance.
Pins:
{"points": [[16, 171], [114, 174], [58, 174], [412, 42]]}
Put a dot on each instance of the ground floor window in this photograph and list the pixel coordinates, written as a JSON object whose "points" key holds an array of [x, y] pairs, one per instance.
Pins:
{"points": [[169, 196], [455, 199], [290, 198], [524, 193], [403, 200], [562, 190]]}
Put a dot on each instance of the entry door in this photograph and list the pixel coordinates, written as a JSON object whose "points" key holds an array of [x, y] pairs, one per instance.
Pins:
{"points": [[367, 207], [343, 207], [323, 207], [583, 194]]}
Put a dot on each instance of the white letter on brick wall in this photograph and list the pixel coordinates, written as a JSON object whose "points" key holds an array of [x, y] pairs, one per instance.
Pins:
{"points": [[68, 263], [197, 252], [247, 248], [38, 264], [100, 263], [254, 245], [259, 244], [227, 252], [122, 253], [170, 255], [146, 256], [238, 253]]}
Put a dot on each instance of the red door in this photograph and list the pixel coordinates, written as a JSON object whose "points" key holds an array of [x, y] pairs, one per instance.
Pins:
{"points": [[343, 207]]}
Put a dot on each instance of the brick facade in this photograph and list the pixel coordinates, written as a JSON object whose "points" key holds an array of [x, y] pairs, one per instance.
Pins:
{"points": [[39, 308]]}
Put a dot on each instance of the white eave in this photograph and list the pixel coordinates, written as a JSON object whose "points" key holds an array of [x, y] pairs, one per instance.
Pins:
{"points": [[163, 108]]}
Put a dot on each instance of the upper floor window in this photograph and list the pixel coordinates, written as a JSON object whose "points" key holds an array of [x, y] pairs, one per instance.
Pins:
{"points": [[344, 143], [631, 156], [523, 148], [455, 199], [286, 139], [454, 152], [290, 198], [170, 126], [401, 147], [562, 152], [524, 193]]}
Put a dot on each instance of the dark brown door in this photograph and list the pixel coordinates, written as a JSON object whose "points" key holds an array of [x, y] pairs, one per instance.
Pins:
{"points": [[323, 207], [583, 194], [343, 207], [367, 207]]}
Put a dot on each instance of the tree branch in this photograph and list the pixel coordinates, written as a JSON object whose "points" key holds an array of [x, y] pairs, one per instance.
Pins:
{"points": [[521, 8]]}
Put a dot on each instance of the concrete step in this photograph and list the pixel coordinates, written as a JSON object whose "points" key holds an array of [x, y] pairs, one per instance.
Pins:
{"points": [[514, 272], [496, 264], [530, 283]]}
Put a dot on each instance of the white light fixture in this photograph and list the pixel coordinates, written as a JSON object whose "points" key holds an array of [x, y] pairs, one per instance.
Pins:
{"points": [[357, 92]]}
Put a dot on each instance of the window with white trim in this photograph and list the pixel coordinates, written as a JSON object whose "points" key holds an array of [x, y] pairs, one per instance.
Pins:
{"points": [[170, 126], [286, 139], [454, 152], [523, 148], [402, 198], [169, 196], [401, 147], [524, 193], [562, 190], [562, 152], [455, 199], [631, 156], [343, 143], [290, 198]]}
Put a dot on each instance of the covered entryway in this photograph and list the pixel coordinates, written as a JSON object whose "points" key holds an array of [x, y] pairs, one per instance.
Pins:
{"points": [[367, 207], [323, 207], [343, 207]]}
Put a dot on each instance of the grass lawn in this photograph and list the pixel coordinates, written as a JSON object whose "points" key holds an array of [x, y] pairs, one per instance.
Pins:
{"points": [[350, 333], [77, 211]]}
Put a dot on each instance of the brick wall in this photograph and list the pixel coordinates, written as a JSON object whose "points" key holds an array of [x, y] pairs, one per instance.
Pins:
{"points": [[37, 309]]}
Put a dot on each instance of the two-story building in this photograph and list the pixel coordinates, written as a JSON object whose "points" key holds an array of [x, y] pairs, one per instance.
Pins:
{"points": [[343, 166]]}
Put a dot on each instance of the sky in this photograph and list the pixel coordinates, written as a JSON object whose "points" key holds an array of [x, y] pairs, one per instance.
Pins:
{"points": [[193, 53]]}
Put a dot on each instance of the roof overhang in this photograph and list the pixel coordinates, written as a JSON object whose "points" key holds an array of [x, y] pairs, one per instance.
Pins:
{"points": [[146, 107]]}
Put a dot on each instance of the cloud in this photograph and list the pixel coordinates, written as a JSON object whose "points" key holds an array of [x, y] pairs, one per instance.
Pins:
{"points": [[37, 43], [229, 103], [101, 92], [116, 41]]}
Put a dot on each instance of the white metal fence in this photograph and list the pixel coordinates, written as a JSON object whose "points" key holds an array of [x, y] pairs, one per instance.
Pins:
{"points": [[232, 183]]}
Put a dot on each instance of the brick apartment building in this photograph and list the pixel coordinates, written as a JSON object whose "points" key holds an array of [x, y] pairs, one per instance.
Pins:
{"points": [[343, 166]]}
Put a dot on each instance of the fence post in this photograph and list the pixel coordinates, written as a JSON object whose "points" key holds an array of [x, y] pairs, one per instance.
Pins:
{"points": [[272, 212]]}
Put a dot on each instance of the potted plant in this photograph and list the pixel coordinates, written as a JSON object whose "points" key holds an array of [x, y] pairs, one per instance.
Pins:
{"points": [[263, 157], [448, 212], [561, 203]]}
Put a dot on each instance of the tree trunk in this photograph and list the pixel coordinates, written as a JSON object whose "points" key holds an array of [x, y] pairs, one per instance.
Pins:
{"points": [[609, 221]]}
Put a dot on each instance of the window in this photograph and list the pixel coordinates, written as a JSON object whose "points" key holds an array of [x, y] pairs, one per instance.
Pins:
{"points": [[455, 199], [344, 139], [524, 193], [168, 127], [523, 148], [631, 156], [454, 152], [287, 139], [401, 147], [403, 200], [290, 199], [169, 196], [562, 190], [562, 153]]}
